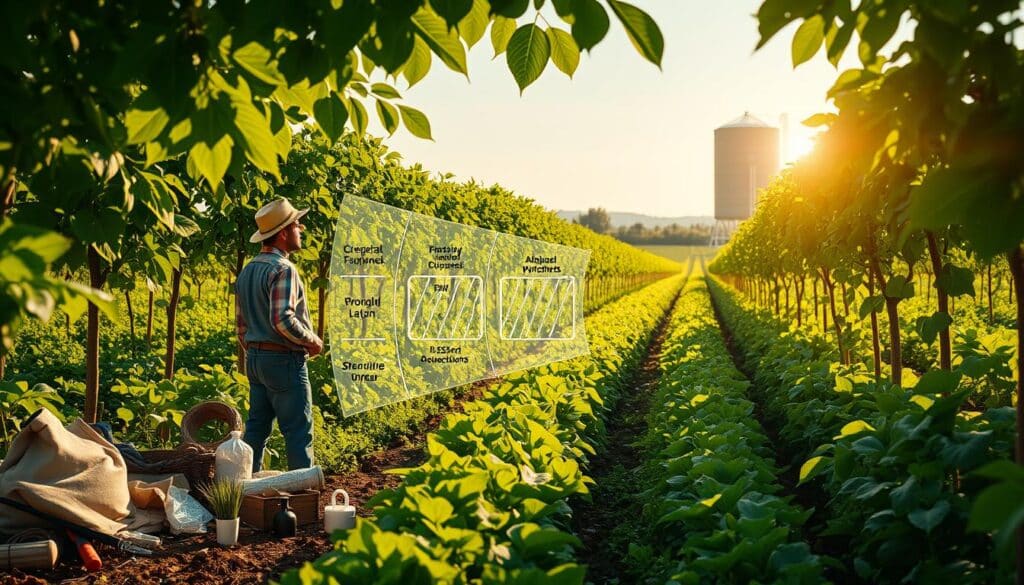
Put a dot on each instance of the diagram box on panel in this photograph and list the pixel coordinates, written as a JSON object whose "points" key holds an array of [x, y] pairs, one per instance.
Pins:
{"points": [[444, 307], [537, 308]]}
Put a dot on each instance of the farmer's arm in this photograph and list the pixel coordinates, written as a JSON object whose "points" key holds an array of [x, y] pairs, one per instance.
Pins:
{"points": [[284, 290]]}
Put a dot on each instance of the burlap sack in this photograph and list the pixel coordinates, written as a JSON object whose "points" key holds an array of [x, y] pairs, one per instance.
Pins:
{"points": [[71, 473]]}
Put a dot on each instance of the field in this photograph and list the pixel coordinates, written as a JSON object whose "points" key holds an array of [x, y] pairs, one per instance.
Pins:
{"points": [[681, 253], [834, 396]]}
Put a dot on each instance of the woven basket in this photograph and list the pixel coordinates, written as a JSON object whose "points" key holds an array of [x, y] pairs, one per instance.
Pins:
{"points": [[194, 461], [204, 412]]}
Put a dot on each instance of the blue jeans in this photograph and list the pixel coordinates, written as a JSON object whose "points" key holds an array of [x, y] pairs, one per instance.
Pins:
{"points": [[279, 386]]}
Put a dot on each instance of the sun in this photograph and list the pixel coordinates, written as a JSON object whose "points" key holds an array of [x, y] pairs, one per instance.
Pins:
{"points": [[798, 145]]}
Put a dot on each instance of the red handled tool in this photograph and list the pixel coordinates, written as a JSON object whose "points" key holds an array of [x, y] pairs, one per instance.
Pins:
{"points": [[90, 558]]}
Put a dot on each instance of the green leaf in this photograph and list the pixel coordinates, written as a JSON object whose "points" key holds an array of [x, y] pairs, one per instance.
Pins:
{"points": [[564, 52], [876, 24], [955, 281], [590, 23], [253, 134], [509, 8], [812, 467], [527, 55], [388, 116], [210, 163], [808, 39], [773, 15], [642, 30], [899, 287], [1004, 469], [418, 65], [843, 384], [851, 79], [928, 328], [474, 25], [444, 42], [48, 246], [871, 304], [1000, 508], [359, 116], [937, 382], [453, 11], [385, 91], [501, 31], [416, 122], [854, 428], [145, 120], [820, 119], [929, 519], [836, 41], [256, 59], [331, 115]]}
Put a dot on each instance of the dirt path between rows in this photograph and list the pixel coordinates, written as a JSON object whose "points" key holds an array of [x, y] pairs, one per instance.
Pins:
{"points": [[260, 556], [607, 524], [807, 496]]}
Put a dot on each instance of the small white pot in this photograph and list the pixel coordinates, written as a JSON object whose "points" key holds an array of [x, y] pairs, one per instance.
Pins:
{"points": [[227, 532]]}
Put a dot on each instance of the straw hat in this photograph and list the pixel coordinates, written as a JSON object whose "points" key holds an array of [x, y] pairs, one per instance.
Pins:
{"points": [[273, 217]]}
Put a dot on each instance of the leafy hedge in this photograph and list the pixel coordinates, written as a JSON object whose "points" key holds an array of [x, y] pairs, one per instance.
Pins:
{"points": [[906, 471], [490, 503], [713, 514]]}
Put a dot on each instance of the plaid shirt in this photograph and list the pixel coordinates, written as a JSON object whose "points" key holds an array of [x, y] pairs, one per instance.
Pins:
{"points": [[286, 320]]}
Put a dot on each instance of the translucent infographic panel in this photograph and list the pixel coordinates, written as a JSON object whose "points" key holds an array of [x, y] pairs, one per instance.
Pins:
{"points": [[418, 304]]}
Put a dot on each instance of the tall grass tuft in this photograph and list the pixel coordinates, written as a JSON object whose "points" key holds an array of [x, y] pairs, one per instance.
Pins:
{"points": [[225, 498]]}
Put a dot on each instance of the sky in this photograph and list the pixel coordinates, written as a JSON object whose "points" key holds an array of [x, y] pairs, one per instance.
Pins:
{"points": [[621, 134]]}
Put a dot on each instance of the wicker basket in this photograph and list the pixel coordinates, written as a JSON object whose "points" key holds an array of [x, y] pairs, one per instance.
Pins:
{"points": [[204, 412], [194, 461]]}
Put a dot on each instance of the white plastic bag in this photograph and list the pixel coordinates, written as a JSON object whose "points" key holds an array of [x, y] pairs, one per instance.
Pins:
{"points": [[184, 513], [233, 459]]}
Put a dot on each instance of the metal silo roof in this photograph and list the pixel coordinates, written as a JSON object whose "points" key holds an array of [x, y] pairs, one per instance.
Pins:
{"points": [[747, 120]]}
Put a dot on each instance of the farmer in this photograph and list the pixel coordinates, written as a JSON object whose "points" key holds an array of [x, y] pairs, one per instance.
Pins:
{"points": [[274, 328]]}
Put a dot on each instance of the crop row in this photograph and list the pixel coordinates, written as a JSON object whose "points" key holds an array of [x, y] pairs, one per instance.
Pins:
{"points": [[714, 511], [905, 472], [490, 503]]}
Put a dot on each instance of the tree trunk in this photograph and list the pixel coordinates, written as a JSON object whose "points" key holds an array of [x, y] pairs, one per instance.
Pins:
{"points": [[131, 317], [891, 309], [876, 350], [991, 315], [1016, 259], [846, 302], [92, 341], [785, 283], [172, 314], [799, 300], [322, 299], [149, 320], [240, 350], [844, 358], [943, 301], [9, 188], [814, 289]]}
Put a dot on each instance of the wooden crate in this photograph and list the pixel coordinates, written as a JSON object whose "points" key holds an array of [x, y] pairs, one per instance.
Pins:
{"points": [[258, 511]]}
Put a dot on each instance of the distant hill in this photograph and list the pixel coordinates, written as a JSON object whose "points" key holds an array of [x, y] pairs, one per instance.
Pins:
{"points": [[626, 219]]}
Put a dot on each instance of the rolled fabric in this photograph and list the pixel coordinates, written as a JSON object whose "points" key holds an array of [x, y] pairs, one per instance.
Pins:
{"points": [[296, 480]]}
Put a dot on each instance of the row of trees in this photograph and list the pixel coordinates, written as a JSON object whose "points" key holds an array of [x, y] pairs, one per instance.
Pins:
{"points": [[920, 168], [638, 234], [122, 119]]}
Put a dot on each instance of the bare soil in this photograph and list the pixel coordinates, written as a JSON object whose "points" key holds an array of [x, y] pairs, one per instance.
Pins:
{"points": [[259, 556]]}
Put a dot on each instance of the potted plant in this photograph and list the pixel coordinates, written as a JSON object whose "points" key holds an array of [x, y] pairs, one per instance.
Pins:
{"points": [[225, 498]]}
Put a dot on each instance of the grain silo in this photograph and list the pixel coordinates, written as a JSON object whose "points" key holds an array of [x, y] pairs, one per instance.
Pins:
{"points": [[746, 159]]}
